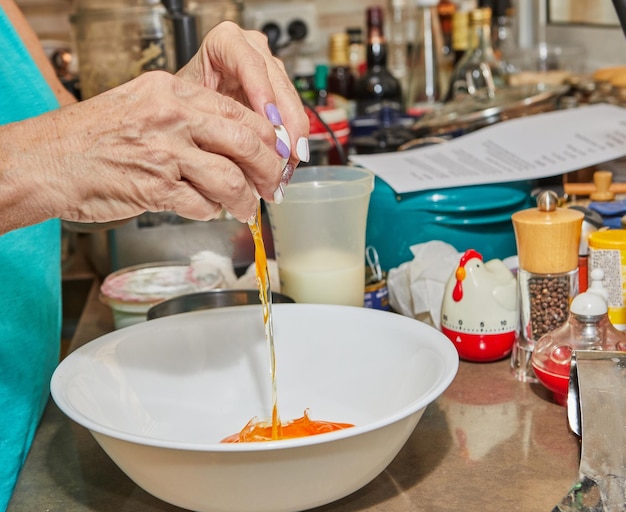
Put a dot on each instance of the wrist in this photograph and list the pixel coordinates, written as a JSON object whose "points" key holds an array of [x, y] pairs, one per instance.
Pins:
{"points": [[24, 190]]}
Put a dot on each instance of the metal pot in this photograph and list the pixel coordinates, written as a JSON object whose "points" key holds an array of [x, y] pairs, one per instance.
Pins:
{"points": [[210, 299], [473, 112]]}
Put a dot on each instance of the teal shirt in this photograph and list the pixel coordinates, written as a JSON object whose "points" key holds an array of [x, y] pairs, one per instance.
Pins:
{"points": [[30, 282]]}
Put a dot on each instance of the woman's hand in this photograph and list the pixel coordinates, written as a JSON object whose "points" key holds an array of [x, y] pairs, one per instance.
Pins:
{"points": [[156, 143], [193, 143], [239, 64]]}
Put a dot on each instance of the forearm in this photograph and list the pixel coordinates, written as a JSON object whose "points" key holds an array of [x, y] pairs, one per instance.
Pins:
{"points": [[26, 194]]}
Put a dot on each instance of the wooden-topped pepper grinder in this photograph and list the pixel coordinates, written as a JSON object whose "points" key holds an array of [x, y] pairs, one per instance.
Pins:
{"points": [[547, 240]]}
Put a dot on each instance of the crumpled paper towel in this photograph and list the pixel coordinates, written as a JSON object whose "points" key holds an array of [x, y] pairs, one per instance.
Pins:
{"points": [[248, 279], [416, 287], [217, 269]]}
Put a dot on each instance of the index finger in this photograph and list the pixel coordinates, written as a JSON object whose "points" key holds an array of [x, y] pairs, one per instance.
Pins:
{"points": [[239, 61], [229, 54]]}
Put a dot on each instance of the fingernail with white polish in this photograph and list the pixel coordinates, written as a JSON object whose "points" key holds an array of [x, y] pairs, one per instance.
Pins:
{"points": [[282, 148], [279, 194], [271, 111], [302, 149]]}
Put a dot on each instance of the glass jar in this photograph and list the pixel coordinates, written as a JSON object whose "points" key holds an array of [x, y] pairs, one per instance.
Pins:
{"points": [[209, 13], [117, 40], [548, 239]]}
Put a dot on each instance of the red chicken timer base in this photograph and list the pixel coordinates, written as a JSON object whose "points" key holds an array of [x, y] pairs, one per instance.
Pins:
{"points": [[481, 348]]}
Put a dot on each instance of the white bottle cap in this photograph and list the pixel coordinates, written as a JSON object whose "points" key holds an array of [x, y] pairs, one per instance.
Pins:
{"points": [[593, 302]]}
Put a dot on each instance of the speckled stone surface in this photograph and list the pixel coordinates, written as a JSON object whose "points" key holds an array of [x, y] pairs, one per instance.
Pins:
{"points": [[489, 443]]}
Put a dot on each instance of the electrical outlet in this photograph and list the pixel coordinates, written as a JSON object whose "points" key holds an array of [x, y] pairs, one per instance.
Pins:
{"points": [[280, 19]]}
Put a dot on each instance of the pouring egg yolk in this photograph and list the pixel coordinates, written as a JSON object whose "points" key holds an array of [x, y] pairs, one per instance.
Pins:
{"points": [[256, 431]]}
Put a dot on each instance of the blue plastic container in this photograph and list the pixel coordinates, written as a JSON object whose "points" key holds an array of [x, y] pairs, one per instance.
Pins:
{"points": [[475, 217]]}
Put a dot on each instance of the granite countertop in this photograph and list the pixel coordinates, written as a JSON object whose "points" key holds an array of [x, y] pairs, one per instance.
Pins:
{"points": [[489, 443]]}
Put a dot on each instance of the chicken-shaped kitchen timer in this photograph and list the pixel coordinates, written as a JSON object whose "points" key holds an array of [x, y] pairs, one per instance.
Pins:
{"points": [[480, 311]]}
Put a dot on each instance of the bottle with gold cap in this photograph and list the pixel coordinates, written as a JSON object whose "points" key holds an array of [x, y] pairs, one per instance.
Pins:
{"points": [[479, 70], [547, 240], [460, 35], [340, 77]]}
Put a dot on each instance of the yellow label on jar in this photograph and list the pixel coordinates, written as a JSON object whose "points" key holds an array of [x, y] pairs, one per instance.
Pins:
{"points": [[607, 250]]}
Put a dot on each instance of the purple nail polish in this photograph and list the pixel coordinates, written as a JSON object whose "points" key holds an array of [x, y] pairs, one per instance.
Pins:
{"points": [[287, 174], [272, 114], [282, 148]]}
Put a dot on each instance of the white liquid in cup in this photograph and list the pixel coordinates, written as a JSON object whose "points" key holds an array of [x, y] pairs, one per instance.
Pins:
{"points": [[323, 276], [319, 235]]}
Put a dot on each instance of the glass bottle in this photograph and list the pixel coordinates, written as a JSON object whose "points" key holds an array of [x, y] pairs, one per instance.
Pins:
{"points": [[547, 238], [426, 87], [587, 328], [478, 71], [398, 11], [446, 10], [505, 45], [356, 50], [340, 77], [377, 87], [460, 35], [116, 42], [304, 77], [320, 81]]}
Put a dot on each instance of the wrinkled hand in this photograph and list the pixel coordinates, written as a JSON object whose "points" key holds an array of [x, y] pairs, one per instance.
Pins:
{"points": [[156, 143], [239, 64], [193, 143]]}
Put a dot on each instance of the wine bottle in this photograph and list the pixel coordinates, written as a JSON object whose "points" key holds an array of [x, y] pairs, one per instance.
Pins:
{"points": [[377, 87], [341, 80]]}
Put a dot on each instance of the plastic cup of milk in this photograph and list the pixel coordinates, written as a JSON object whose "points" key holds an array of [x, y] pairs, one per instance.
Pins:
{"points": [[319, 234]]}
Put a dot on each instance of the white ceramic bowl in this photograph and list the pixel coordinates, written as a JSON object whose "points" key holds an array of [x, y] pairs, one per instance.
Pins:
{"points": [[159, 396]]}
